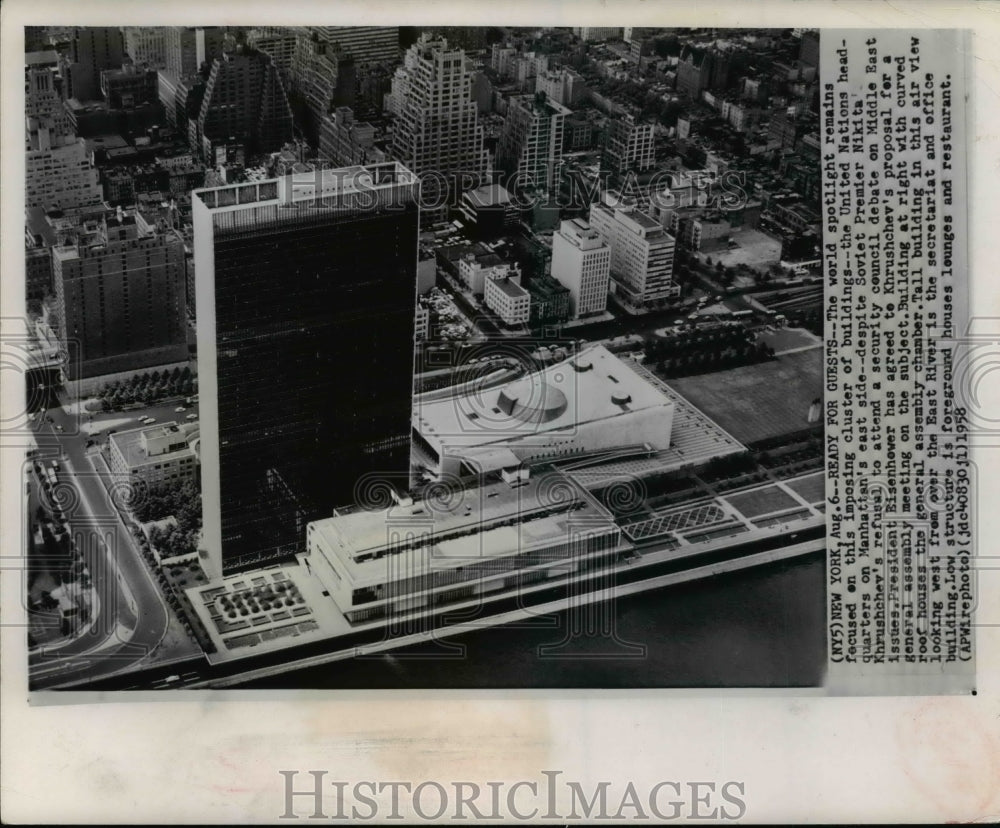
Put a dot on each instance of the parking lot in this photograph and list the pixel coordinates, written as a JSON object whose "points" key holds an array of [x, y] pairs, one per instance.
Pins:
{"points": [[98, 425]]}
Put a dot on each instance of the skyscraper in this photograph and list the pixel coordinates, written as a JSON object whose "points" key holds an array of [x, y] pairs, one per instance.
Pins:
{"points": [[43, 107], [95, 48], [181, 87], [306, 300], [366, 44], [531, 143], [147, 45], [277, 42], [244, 105], [809, 48], [322, 77], [187, 48], [119, 287], [436, 132]]}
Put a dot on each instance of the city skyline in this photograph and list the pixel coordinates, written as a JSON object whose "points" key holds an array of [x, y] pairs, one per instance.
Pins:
{"points": [[377, 325]]}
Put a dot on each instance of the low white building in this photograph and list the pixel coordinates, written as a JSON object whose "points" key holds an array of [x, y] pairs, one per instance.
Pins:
{"points": [[497, 540], [507, 299], [589, 402], [157, 454], [475, 274]]}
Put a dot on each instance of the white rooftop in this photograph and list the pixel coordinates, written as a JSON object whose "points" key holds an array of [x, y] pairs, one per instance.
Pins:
{"points": [[307, 186], [477, 523], [592, 386]]}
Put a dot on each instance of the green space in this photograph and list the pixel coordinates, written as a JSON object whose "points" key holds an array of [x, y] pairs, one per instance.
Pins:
{"points": [[147, 388], [762, 501], [811, 489], [757, 402], [183, 502], [785, 339]]}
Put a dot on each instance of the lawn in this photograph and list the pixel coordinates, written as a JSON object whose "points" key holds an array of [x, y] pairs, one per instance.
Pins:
{"points": [[811, 489], [762, 501], [787, 339], [756, 402]]}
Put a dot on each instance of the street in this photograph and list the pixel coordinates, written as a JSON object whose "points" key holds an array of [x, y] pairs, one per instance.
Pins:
{"points": [[120, 635]]}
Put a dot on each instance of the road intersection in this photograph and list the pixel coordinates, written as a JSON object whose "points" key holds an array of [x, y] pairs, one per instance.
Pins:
{"points": [[131, 617]]}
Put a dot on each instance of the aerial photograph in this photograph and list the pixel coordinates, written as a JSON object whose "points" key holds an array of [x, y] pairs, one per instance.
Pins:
{"points": [[423, 357]]}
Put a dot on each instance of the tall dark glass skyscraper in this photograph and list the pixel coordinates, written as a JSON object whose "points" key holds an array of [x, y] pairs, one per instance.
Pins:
{"points": [[306, 292]]}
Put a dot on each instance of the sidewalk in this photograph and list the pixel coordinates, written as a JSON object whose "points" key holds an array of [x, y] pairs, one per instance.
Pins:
{"points": [[607, 316]]}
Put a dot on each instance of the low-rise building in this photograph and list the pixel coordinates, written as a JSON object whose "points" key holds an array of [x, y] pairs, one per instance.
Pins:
{"points": [[507, 299], [474, 271], [157, 454], [489, 211], [377, 563], [590, 402], [550, 301]]}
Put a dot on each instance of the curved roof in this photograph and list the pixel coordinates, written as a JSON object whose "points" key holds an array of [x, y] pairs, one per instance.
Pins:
{"points": [[594, 385], [532, 401]]}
